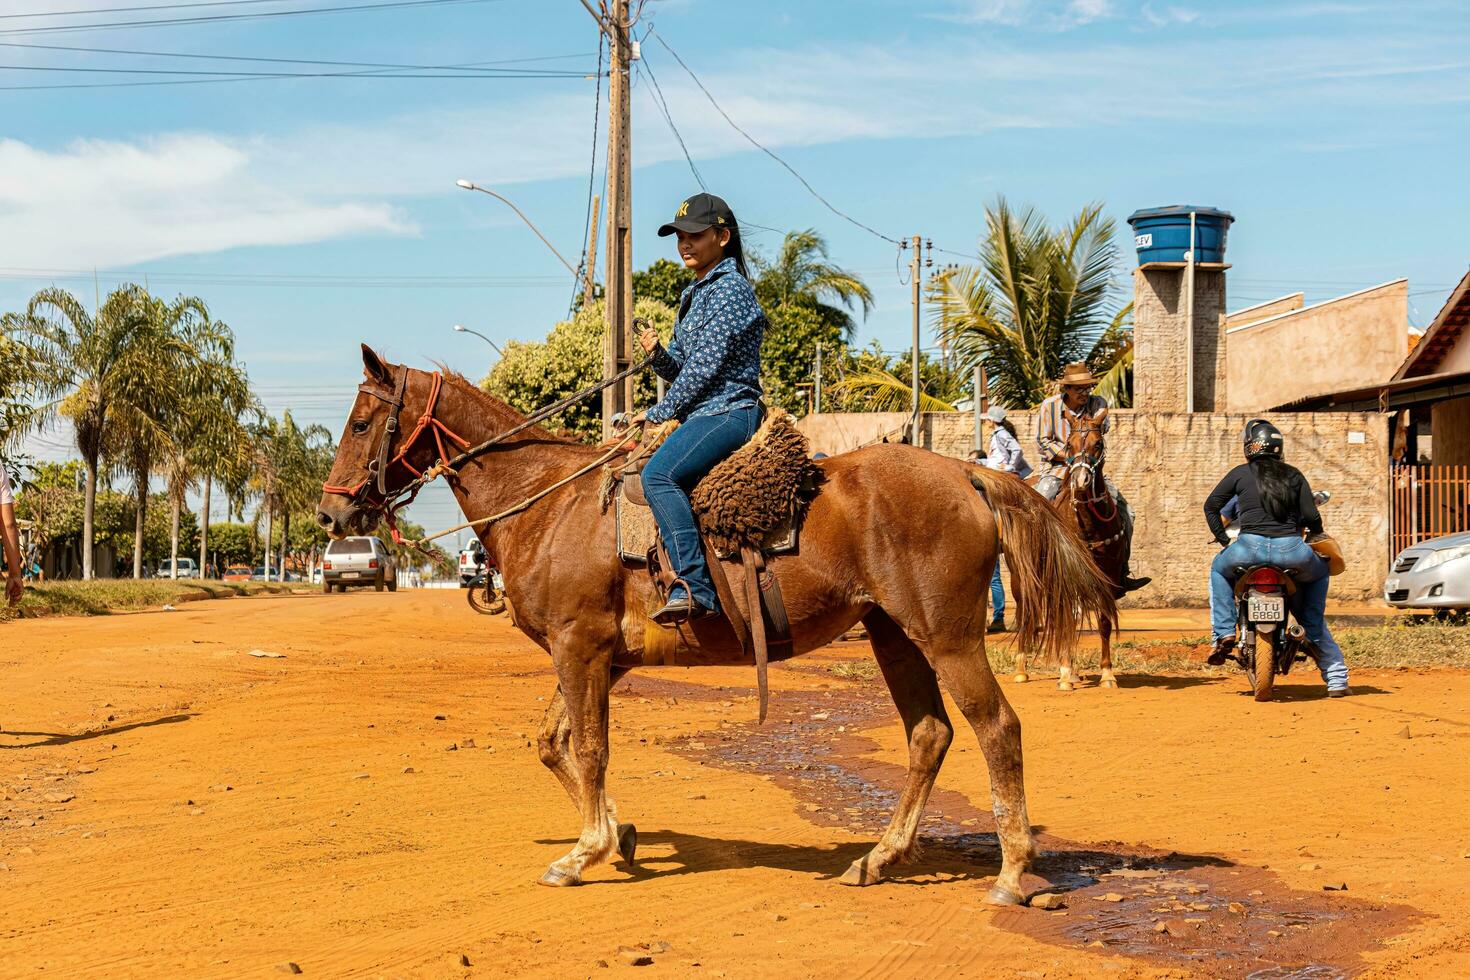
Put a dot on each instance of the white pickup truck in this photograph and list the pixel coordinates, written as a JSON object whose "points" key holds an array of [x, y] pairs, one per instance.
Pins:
{"points": [[358, 561]]}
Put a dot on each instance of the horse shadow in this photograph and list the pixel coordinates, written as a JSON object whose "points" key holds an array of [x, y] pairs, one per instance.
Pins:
{"points": [[45, 739], [950, 858]]}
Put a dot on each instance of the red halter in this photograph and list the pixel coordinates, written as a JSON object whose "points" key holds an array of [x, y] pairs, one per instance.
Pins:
{"points": [[378, 468]]}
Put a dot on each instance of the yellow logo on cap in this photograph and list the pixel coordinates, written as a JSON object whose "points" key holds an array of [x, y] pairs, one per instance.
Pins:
{"points": [[683, 210]]}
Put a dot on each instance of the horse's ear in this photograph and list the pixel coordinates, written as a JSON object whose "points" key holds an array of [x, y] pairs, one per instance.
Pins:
{"points": [[1101, 417], [373, 366]]}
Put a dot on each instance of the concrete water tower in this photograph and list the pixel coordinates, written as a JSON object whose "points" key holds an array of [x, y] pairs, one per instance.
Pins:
{"points": [[1179, 308]]}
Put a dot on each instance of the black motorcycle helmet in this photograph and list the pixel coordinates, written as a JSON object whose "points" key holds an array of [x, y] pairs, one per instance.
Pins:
{"points": [[1261, 438]]}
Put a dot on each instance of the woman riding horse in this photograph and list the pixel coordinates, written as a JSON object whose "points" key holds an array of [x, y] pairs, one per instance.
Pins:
{"points": [[713, 365]]}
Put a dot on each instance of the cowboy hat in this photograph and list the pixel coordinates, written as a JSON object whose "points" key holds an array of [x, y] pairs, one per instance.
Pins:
{"points": [[1076, 375]]}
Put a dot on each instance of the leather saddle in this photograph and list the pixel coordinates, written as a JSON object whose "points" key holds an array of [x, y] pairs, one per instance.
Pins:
{"points": [[748, 509]]}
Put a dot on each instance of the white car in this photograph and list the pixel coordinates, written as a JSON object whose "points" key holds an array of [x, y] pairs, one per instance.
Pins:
{"points": [[471, 562], [188, 568], [358, 561], [1433, 574]]}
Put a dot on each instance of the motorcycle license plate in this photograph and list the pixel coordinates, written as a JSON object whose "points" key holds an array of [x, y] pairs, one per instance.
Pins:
{"points": [[354, 575], [1266, 609]]}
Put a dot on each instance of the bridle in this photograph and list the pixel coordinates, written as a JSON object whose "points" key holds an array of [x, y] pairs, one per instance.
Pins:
{"points": [[1097, 490], [392, 503]]}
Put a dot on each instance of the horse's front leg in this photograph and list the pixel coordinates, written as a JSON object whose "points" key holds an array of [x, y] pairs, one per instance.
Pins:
{"points": [[583, 667], [555, 746]]}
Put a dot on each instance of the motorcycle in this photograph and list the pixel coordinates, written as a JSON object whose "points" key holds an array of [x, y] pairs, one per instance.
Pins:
{"points": [[486, 593], [1268, 642]]}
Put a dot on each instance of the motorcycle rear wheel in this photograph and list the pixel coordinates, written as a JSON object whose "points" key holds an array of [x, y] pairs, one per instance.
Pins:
{"points": [[1263, 677]]}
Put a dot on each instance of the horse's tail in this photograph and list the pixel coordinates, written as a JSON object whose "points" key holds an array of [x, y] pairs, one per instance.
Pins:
{"points": [[1056, 583]]}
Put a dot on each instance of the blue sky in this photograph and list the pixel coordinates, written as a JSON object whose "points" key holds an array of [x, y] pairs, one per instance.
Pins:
{"points": [[1336, 132]]}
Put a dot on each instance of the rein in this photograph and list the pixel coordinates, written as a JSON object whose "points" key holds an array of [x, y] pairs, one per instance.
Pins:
{"points": [[393, 502]]}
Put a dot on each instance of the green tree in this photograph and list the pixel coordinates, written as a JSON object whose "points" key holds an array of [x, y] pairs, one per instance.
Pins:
{"points": [[662, 282], [87, 365], [291, 462], [534, 374], [801, 274], [233, 544], [1038, 299]]}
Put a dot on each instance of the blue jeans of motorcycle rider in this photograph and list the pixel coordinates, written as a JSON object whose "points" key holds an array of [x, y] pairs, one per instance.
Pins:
{"points": [[687, 455], [1309, 605]]}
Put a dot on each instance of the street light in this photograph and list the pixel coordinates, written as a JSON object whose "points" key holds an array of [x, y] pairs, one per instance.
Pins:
{"points": [[472, 186], [461, 328]]}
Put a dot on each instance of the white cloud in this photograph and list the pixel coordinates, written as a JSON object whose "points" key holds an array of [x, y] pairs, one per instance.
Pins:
{"points": [[1168, 16], [101, 203], [1048, 15]]}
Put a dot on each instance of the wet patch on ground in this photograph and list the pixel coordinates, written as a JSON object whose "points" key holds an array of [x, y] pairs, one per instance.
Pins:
{"points": [[1197, 911]]}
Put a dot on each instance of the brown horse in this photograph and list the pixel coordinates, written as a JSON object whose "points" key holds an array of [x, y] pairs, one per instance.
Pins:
{"points": [[898, 538], [1085, 503]]}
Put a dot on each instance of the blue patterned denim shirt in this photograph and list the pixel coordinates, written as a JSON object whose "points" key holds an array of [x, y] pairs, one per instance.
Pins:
{"points": [[713, 364]]}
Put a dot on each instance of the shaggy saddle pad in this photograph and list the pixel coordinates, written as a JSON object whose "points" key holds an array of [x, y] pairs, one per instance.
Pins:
{"points": [[760, 487]]}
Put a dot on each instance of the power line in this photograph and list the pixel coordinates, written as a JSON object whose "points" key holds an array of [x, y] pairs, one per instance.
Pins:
{"points": [[468, 66], [591, 175], [228, 75], [127, 10], [758, 145], [657, 95], [221, 18]]}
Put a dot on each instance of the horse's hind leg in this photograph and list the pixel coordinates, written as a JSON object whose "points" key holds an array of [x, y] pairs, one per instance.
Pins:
{"points": [[967, 677], [1105, 662], [915, 692]]}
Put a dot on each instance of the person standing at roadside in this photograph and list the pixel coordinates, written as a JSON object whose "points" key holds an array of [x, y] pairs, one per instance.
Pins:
{"points": [[14, 571], [1006, 456]]}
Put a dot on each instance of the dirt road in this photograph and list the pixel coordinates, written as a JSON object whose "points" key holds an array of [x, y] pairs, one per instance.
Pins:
{"points": [[370, 804]]}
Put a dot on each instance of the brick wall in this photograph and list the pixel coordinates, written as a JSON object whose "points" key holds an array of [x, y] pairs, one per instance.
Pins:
{"points": [[1166, 464], [1160, 334]]}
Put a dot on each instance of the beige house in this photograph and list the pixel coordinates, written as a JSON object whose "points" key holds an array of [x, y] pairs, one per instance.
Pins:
{"points": [[1281, 351]]}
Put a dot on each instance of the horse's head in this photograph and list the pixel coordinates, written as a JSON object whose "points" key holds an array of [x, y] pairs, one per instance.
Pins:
{"points": [[376, 461], [1085, 449]]}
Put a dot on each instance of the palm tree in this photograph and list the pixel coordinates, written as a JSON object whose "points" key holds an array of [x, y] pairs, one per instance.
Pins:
{"points": [[1038, 299], [87, 365], [290, 464], [801, 274]]}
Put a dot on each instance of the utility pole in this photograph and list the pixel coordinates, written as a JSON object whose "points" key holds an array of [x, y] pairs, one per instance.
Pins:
{"points": [[916, 266], [817, 383], [589, 283], [618, 342]]}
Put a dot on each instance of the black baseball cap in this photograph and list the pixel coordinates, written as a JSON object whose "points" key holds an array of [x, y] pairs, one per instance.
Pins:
{"points": [[698, 213]]}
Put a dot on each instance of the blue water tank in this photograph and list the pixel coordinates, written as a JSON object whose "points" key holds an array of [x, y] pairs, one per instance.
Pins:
{"points": [[1162, 234]]}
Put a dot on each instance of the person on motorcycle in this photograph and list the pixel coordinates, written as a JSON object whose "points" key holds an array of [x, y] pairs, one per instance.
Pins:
{"points": [[1054, 427], [1276, 505]]}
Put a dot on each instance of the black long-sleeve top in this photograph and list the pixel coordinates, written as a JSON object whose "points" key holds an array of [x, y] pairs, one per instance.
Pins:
{"points": [[1254, 518]]}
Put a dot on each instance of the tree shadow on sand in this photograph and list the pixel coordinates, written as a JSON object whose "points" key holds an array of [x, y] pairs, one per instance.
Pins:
{"points": [[63, 738]]}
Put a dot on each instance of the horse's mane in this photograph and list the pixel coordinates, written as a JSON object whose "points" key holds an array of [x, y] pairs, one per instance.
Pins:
{"points": [[498, 408]]}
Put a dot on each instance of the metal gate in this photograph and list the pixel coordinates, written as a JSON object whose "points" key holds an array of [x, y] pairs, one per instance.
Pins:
{"points": [[1426, 502]]}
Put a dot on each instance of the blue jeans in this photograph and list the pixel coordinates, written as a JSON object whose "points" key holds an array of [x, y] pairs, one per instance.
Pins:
{"points": [[1309, 605], [997, 594], [684, 459]]}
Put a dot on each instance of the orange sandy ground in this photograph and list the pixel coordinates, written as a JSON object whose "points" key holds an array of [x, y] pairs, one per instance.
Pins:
{"points": [[154, 866]]}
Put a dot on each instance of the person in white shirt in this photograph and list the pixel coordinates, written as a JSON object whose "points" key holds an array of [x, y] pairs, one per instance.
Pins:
{"points": [[1005, 455], [14, 573]]}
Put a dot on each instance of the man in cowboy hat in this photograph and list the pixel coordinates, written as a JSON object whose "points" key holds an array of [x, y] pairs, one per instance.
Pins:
{"points": [[1053, 427]]}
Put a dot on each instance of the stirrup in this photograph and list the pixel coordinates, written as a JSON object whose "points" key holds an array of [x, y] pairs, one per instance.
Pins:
{"points": [[680, 609]]}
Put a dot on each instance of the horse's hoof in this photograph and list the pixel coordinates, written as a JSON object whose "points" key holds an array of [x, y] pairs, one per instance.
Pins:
{"points": [[558, 879], [1064, 686], [1002, 896], [1107, 682], [1020, 679], [860, 873], [627, 842]]}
